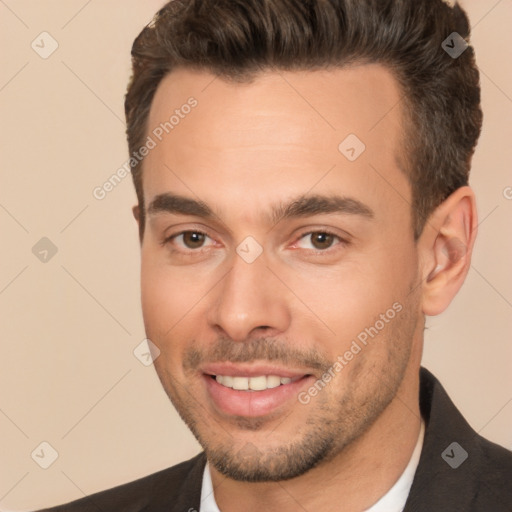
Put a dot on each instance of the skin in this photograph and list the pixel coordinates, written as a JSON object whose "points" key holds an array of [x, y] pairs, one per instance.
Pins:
{"points": [[245, 148]]}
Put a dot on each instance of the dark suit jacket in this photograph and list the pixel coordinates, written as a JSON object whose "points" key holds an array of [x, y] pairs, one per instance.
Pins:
{"points": [[481, 483]]}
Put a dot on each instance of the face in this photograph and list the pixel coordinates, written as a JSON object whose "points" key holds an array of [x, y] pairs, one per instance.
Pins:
{"points": [[279, 277]]}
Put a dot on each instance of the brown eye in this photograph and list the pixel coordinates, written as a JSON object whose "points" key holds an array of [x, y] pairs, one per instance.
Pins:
{"points": [[321, 241], [193, 239]]}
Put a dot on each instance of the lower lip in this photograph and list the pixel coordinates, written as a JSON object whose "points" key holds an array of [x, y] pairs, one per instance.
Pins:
{"points": [[252, 404]]}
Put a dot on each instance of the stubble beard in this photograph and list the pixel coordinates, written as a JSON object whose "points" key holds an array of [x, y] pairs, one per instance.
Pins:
{"points": [[335, 420]]}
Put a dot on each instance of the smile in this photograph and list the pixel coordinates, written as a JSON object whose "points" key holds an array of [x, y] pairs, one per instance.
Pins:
{"points": [[256, 383]]}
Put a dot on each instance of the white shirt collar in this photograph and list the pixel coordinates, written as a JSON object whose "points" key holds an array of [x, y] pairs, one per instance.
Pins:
{"points": [[393, 501], [208, 503]]}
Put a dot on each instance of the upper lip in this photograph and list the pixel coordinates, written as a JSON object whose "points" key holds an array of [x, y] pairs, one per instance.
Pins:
{"points": [[250, 370]]}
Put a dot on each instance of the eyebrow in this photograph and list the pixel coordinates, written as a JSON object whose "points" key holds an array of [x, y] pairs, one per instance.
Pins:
{"points": [[179, 205], [302, 206], [309, 205]]}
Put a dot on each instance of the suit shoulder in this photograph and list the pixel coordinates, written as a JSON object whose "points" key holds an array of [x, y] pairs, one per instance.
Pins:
{"points": [[497, 467], [139, 494]]}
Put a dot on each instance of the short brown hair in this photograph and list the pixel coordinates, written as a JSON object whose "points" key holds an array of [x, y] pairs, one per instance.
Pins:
{"points": [[236, 39]]}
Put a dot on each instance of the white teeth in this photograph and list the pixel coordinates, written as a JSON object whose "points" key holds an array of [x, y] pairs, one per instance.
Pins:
{"points": [[227, 381], [241, 383], [259, 383], [273, 381]]}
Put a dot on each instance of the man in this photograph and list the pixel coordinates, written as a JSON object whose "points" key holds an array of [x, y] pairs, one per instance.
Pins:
{"points": [[303, 203]]}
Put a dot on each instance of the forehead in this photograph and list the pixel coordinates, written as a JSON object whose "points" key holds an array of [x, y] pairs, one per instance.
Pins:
{"points": [[279, 133]]}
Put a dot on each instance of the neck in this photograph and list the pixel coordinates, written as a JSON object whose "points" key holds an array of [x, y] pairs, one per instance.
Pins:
{"points": [[359, 476]]}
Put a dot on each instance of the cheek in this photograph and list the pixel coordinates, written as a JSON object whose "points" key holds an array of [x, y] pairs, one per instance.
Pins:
{"points": [[343, 302], [157, 298], [166, 298], [162, 308], [174, 305]]}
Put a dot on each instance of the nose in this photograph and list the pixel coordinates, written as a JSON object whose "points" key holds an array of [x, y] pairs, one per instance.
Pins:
{"points": [[249, 301]]}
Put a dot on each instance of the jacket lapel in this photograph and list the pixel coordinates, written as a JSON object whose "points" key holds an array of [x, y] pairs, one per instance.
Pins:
{"points": [[441, 469]]}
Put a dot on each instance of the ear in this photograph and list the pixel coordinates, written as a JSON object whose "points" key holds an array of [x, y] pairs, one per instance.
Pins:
{"points": [[445, 249], [137, 215]]}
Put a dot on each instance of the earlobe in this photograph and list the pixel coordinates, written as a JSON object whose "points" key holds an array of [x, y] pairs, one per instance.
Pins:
{"points": [[446, 246]]}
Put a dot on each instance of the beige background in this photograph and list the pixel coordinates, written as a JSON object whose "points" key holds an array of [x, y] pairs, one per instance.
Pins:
{"points": [[68, 327]]}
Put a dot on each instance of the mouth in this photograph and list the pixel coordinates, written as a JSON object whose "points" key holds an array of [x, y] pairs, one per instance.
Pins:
{"points": [[257, 383], [253, 391]]}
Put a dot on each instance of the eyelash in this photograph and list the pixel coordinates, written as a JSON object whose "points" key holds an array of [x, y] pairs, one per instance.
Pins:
{"points": [[168, 239], [341, 241]]}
